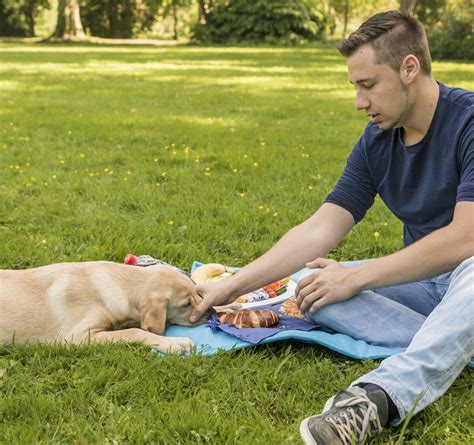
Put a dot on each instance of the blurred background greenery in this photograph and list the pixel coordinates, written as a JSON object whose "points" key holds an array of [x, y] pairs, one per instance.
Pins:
{"points": [[449, 23]]}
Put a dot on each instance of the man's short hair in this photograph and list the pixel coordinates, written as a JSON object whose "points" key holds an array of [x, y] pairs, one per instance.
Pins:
{"points": [[393, 35]]}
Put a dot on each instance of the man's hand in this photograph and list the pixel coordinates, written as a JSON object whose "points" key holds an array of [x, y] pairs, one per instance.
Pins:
{"points": [[211, 296], [330, 284]]}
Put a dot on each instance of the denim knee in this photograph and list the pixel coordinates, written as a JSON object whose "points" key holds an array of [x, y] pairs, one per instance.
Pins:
{"points": [[467, 266], [327, 315]]}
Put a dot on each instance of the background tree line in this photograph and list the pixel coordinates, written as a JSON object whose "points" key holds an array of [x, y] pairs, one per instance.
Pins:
{"points": [[448, 22]]}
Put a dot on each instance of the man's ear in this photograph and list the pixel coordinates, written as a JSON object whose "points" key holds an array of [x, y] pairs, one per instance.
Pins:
{"points": [[153, 317], [409, 69]]}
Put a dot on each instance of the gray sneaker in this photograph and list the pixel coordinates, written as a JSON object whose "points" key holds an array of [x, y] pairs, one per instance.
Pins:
{"points": [[350, 414]]}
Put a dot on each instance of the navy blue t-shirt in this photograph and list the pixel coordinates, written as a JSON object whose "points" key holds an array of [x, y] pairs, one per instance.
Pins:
{"points": [[420, 183]]}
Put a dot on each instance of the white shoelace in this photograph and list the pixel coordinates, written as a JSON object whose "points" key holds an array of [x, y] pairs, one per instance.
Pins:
{"points": [[345, 424]]}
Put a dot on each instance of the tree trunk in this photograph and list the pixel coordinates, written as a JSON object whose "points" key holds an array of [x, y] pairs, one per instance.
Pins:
{"points": [[346, 18], [69, 24], [407, 6], [30, 21], [175, 21], [201, 12]]}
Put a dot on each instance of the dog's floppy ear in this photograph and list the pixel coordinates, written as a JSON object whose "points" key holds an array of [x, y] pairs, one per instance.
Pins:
{"points": [[154, 316]]}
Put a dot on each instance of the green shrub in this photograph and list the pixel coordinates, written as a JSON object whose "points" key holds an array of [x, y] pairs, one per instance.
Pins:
{"points": [[261, 21], [452, 39]]}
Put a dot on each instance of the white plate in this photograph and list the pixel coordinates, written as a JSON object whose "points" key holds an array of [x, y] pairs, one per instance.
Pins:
{"points": [[290, 292]]}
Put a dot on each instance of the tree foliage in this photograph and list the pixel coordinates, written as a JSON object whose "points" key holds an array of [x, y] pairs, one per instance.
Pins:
{"points": [[18, 17], [260, 21]]}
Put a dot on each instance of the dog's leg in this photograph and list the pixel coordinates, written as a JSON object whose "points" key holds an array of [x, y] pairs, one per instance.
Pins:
{"points": [[174, 345]]}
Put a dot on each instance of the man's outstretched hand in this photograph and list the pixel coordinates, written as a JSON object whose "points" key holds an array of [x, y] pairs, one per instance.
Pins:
{"points": [[331, 283], [211, 296]]}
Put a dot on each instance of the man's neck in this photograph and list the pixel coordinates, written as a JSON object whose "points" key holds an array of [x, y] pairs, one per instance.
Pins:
{"points": [[424, 97]]}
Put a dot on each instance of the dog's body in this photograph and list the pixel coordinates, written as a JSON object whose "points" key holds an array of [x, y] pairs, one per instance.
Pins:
{"points": [[96, 302]]}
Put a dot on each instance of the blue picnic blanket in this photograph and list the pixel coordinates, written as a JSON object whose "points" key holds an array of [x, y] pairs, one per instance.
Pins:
{"points": [[209, 341]]}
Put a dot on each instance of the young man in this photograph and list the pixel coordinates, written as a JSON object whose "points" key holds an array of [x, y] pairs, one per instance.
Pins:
{"points": [[417, 153]]}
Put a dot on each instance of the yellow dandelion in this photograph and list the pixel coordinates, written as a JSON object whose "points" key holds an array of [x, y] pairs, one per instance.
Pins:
{"points": [[310, 187], [91, 174], [163, 174], [255, 164], [263, 143], [27, 164], [447, 430], [82, 155], [174, 152], [376, 234], [275, 214], [46, 184], [260, 207], [44, 241], [246, 156], [125, 178], [207, 173], [208, 169], [106, 169], [235, 170], [61, 161], [111, 172], [158, 184], [242, 194], [170, 222], [156, 159], [54, 176]]}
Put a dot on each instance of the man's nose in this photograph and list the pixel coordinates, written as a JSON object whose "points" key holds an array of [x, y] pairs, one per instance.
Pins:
{"points": [[361, 102]]}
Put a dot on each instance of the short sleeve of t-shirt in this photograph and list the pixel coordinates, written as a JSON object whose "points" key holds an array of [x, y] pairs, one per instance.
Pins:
{"points": [[465, 161], [355, 190]]}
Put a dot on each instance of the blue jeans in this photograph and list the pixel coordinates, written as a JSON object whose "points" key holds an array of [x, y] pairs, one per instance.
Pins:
{"points": [[433, 319]]}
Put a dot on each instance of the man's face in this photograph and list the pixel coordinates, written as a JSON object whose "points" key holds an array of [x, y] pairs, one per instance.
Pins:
{"points": [[380, 91]]}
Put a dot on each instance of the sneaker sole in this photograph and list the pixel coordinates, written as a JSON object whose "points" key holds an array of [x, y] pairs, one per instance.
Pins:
{"points": [[305, 434]]}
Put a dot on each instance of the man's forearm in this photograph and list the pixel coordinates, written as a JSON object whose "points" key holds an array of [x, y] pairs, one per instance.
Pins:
{"points": [[437, 253]]}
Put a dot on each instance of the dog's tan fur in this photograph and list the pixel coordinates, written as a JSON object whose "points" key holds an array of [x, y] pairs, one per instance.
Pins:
{"points": [[97, 302]]}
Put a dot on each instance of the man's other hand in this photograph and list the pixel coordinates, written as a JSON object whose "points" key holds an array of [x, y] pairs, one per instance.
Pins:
{"points": [[331, 283]]}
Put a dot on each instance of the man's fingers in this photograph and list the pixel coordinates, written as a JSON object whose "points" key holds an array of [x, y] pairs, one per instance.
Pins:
{"points": [[304, 282], [199, 311], [310, 299], [320, 263], [317, 305]]}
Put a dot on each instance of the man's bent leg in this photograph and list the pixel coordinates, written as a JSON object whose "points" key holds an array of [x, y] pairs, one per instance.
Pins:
{"points": [[438, 352], [388, 317], [373, 318]]}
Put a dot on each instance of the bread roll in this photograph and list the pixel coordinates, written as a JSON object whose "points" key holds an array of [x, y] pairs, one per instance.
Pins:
{"points": [[258, 318]]}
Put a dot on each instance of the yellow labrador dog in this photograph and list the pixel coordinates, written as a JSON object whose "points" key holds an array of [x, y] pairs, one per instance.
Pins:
{"points": [[97, 302]]}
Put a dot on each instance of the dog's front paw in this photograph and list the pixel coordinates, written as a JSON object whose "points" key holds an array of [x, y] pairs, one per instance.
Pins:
{"points": [[176, 345]]}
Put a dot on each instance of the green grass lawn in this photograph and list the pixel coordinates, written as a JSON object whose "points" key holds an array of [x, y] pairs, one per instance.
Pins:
{"points": [[185, 154]]}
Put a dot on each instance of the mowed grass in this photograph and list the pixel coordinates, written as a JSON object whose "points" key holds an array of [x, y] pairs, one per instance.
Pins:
{"points": [[186, 154]]}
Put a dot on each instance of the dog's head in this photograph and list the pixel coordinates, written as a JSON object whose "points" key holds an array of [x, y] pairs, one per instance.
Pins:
{"points": [[170, 298]]}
